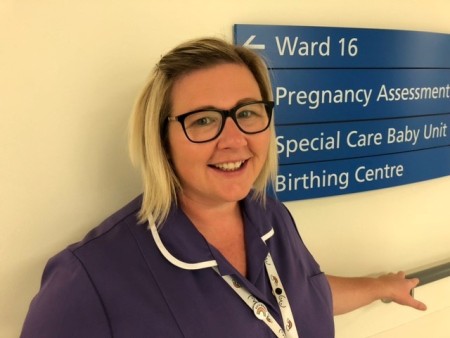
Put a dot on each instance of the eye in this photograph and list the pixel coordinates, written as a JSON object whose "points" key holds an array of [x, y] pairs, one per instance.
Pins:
{"points": [[247, 114], [202, 119]]}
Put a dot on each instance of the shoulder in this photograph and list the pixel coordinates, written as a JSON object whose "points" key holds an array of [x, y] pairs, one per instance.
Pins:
{"points": [[271, 214], [111, 247], [286, 239], [70, 301], [276, 207], [104, 235], [117, 222], [66, 300], [281, 220]]}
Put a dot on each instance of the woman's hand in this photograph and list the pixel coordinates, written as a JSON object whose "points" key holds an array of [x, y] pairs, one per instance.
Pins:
{"points": [[398, 289], [352, 293]]}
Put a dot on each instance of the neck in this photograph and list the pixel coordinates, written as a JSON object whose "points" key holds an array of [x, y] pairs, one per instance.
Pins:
{"points": [[210, 214], [222, 226]]}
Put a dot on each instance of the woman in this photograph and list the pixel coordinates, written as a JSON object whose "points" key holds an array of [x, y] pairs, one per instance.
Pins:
{"points": [[221, 259]]}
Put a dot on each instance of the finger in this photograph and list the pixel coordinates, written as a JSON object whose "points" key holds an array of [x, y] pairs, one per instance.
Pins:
{"points": [[418, 305], [415, 282], [401, 274]]}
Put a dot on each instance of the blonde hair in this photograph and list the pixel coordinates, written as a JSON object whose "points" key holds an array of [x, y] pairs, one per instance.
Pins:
{"points": [[148, 126]]}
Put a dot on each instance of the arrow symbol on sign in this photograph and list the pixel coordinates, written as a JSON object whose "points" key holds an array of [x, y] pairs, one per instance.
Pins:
{"points": [[249, 44]]}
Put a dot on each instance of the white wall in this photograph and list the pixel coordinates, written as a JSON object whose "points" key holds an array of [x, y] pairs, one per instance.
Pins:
{"points": [[69, 72]]}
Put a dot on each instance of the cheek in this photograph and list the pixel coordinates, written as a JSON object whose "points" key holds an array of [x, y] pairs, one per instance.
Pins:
{"points": [[176, 142], [183, 154], [174, 147], [262, 145]]}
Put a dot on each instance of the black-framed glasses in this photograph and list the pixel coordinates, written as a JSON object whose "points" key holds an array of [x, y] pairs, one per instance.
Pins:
{"points": [[205, 125]]}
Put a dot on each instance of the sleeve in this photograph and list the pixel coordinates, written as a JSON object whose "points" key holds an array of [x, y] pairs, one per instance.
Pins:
{"points": [[67, 304]]}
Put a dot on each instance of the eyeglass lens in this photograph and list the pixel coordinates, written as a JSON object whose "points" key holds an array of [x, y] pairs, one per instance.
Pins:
{"points": [[207, 124]]}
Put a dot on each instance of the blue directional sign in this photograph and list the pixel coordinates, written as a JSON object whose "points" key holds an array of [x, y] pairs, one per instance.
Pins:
{"points": [[308, 143], [320, 179], [355, 109], [323, 95], [333, 47]]}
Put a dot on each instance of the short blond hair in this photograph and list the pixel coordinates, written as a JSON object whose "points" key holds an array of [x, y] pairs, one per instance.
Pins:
{"points": [[148, 124]]}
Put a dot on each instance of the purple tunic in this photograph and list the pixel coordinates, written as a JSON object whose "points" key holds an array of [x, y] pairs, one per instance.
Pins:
{"points": [[117, 282]]}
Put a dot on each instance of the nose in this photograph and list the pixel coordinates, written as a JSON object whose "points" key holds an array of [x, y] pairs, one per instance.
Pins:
{"points": [[231, 136]]}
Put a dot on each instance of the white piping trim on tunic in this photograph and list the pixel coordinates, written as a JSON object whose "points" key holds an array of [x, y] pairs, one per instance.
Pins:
{"points": [[188, 266], [175, 261], [268, 235]]}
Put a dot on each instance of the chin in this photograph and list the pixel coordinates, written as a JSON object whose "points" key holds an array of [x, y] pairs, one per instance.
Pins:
{"points": [[236, 196]]}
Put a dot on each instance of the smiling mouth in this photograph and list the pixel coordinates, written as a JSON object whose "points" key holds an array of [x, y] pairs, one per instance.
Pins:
{"points": [[228, 166]]}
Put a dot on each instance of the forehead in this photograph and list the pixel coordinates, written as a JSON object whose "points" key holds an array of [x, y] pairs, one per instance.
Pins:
{"points": [[221, 86]]}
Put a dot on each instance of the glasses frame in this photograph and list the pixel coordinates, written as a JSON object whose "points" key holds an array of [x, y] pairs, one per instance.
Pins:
{"points": [[269, 105]]}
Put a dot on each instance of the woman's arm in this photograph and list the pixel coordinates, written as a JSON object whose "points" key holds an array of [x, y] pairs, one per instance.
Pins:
{"points": [[352, 293]]}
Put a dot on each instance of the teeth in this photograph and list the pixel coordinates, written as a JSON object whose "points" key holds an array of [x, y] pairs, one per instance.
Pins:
{"points": [[230, 166]]}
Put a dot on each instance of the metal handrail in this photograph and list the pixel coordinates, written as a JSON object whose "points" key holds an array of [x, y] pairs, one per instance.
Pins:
{"points": [[432, 274], [428, 275]]}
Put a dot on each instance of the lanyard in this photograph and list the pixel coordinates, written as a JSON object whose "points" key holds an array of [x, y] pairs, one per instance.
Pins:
{"points": [[260, 309]]}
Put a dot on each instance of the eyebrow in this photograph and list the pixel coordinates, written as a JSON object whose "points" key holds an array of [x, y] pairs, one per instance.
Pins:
{"points": [[239, 102]]}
